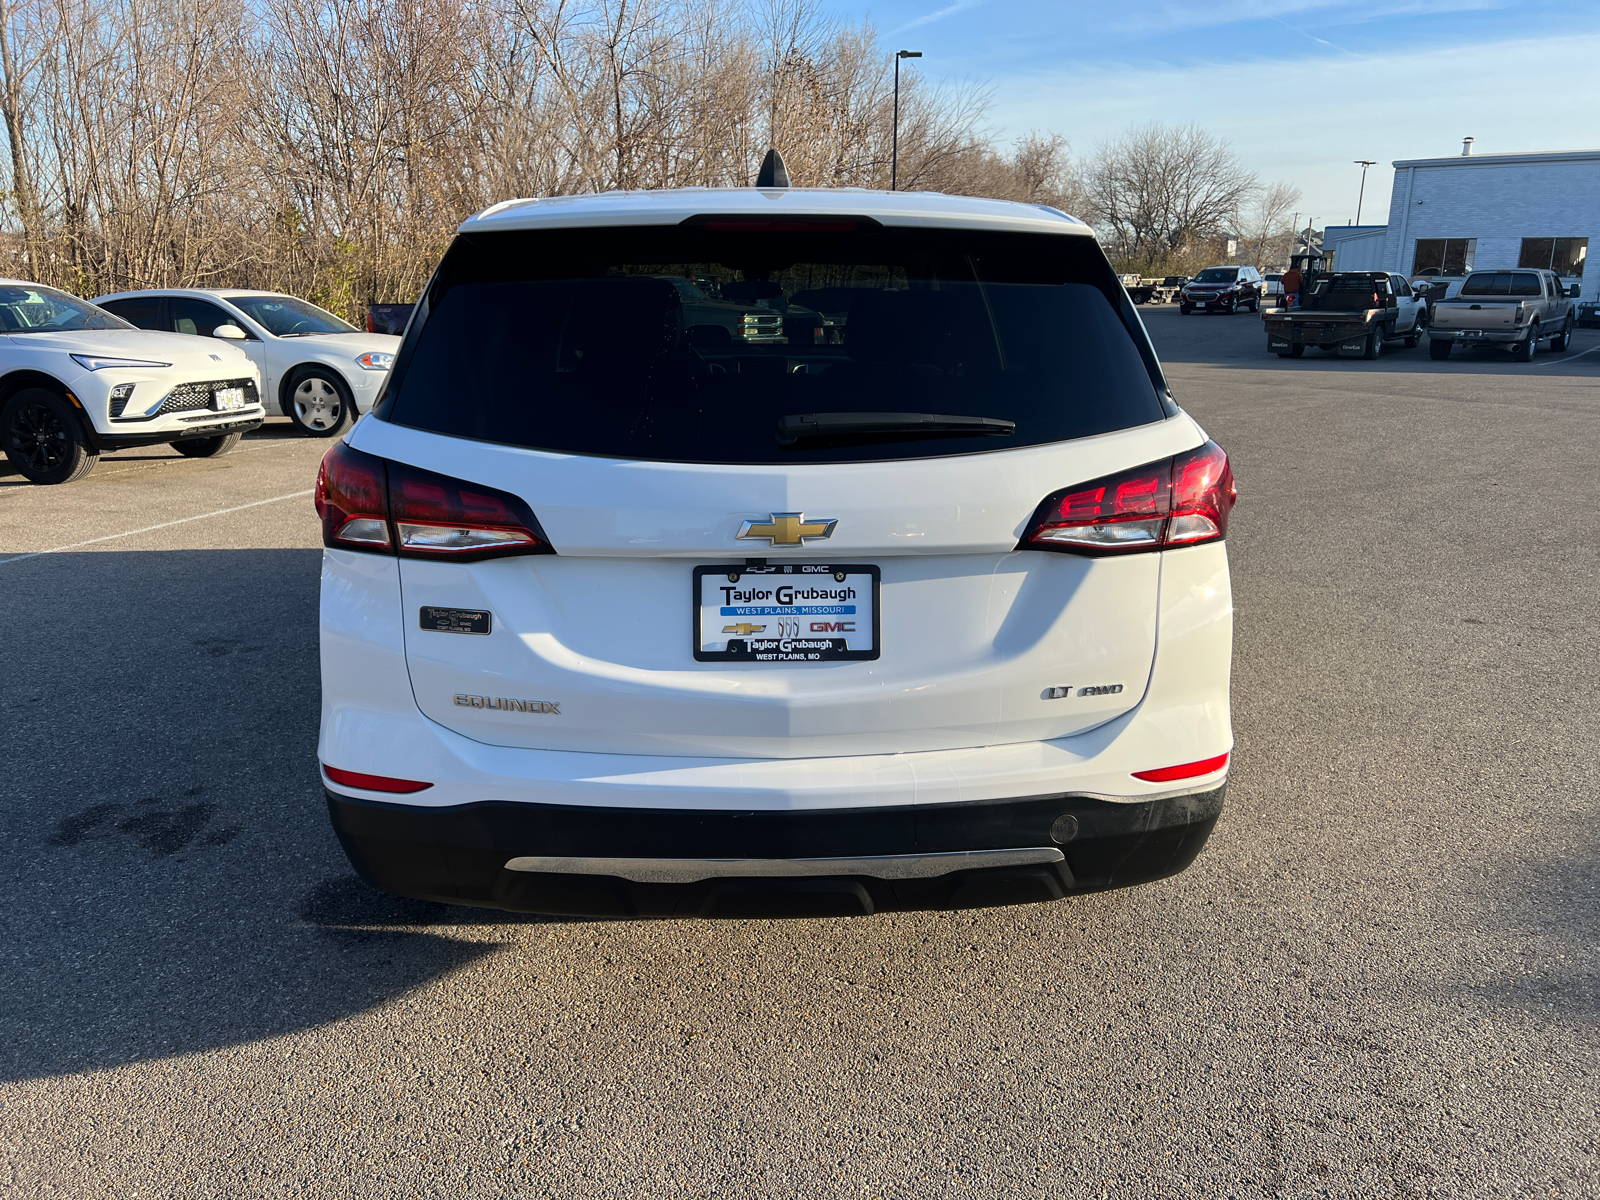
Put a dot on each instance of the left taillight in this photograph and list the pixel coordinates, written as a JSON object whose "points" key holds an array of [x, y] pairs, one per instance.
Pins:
{"points": [[352, 499], [1180, 501], [372, 504]]}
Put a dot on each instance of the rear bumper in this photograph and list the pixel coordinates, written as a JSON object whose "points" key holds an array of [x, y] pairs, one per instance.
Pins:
{"points": [[1480, 337], [468, 854], [1319, 332]]}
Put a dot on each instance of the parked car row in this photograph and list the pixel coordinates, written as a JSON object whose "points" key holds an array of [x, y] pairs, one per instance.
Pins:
{"points": [[1356, 313], [193, 368]]}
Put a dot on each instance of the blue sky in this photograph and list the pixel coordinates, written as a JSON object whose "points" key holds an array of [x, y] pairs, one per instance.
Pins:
{"points": [[1300, 93]]}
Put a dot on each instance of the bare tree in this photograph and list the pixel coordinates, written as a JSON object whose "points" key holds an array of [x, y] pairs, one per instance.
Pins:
{"points": [[1265, 227], [1159, 189], [329, 148]]}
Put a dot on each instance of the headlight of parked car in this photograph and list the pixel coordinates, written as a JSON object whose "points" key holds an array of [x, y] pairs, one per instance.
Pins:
{"points": [[375, 360], [90, 362]]}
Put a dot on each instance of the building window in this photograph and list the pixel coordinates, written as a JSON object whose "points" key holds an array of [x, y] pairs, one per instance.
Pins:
{"points": [[1564, 256], [1444, 256]]}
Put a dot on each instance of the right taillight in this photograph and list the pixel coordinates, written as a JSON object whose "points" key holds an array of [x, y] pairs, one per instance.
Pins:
{"points": [[1181, 501], [373, 504]]}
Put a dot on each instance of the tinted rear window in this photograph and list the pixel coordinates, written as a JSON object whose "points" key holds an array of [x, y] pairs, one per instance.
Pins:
{"points": [[691, 344], [1501, 283]]}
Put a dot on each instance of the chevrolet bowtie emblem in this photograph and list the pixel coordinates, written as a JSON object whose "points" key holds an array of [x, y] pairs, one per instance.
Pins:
{"points": [[743, 628], [786, 529]]}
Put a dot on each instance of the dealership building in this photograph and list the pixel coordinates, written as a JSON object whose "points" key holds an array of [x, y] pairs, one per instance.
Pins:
{"points": [[1470, 211]]}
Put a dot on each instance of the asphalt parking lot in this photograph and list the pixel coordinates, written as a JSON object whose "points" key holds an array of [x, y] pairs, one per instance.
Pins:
{"points": [[1380, 977]]}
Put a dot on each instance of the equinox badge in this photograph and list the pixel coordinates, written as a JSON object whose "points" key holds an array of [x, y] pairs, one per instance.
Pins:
{"points": [[786, 529]]}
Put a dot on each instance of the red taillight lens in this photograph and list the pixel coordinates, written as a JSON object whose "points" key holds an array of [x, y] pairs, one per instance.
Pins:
{"points": [[1194, 770], [352, 500], [439, 517], [369, 503], [373, 783], [1203, 494], [1180, 501]]}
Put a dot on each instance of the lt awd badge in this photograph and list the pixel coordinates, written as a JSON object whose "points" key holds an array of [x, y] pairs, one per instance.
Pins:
{"points": [[786, 529]]}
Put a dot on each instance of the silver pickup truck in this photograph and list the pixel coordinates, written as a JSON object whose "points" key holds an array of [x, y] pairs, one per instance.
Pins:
{"points": [[1513, 310]]}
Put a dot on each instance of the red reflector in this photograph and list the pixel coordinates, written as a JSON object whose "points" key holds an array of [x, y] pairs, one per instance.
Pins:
{"points": [[1187, 771], [372, 783]]}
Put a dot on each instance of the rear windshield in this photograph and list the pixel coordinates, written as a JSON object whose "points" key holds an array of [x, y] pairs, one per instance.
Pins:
{"points": [[1501, 283], [694, 343]]}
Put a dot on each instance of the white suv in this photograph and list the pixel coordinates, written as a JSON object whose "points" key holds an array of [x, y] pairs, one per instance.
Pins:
{"points": [[319, 371], [76, 381], [754, 552]]}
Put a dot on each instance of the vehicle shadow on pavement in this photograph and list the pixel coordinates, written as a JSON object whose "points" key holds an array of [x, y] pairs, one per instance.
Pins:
{"points": [[171, 883]]}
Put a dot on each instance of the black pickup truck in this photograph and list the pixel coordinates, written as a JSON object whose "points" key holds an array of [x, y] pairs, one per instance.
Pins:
{"points": [[1349, 312]]}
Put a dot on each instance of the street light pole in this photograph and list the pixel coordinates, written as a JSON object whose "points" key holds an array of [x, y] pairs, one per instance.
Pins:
{"points": [[894, 154], [1363, 163]]}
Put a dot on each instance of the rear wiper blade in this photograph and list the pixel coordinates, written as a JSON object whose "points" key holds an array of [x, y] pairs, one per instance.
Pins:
{"points": [[849, 424]]}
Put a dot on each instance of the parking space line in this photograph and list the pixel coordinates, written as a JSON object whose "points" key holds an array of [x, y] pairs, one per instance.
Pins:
{"points": [[1551, 362], [111, 537]]}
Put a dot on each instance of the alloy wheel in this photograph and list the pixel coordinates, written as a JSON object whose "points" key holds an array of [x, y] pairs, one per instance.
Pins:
{"points": [[38, 436], [317, 404]]}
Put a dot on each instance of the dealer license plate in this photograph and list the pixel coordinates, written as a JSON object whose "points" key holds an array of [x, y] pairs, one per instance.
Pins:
{"points": [[786, 613], [224, 399]]}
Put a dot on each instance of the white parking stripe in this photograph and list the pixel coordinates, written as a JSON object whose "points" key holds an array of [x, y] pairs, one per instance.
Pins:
{"points": [[1550, 362], [111, 537]]}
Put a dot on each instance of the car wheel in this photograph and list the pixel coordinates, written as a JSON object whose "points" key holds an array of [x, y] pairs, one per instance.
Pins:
{"points": [[1184, 310], [1523, 351], [1439, 347], [44, 439], [211, 447], [319, 402], [1563, 339], [1255, 305], [1374, 345]]}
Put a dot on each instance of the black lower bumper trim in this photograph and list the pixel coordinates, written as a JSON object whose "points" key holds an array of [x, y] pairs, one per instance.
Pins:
{"points": [[106, 443], [458, 855]]}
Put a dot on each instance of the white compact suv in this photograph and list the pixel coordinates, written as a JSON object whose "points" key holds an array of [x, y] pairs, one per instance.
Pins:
{"points": [[76, 381], [773, 552], [319, 371]]}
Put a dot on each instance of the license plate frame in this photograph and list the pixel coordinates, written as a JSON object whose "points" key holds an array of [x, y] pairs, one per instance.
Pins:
{"points": [[802, 648], [228, 399]]}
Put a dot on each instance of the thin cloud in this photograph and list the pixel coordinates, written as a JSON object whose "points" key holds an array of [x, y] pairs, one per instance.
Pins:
{"points": [[1166, 18], [1093, 102], [949, 10]]}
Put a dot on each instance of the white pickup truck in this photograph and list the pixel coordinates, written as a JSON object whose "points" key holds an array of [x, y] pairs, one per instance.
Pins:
{"points": [[1513, 310]]}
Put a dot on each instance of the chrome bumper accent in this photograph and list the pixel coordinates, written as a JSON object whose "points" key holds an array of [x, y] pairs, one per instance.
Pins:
{"points": [[693, 870]]}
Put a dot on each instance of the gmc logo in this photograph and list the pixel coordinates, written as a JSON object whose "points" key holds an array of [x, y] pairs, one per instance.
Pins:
{"points": [[833, 627]]}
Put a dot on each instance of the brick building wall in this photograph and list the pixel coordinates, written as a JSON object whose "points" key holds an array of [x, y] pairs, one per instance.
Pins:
{"points": [[1498, 199]]}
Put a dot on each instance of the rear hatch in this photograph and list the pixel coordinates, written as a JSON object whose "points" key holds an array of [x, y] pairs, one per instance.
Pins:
{"points": [[775, 544]]}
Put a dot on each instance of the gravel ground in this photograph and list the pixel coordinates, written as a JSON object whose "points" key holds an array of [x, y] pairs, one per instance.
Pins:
{"points": [[1380, 978]]}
